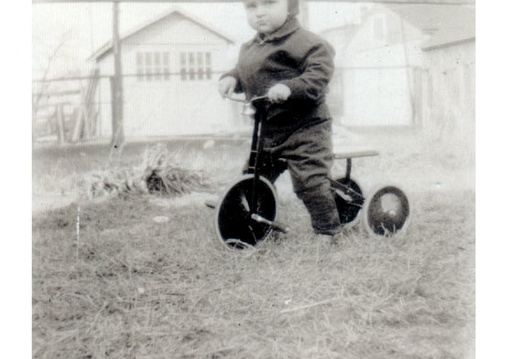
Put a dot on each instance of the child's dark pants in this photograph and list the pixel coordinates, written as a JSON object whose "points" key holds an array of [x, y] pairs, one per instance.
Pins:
{"points": [[307, 154]]}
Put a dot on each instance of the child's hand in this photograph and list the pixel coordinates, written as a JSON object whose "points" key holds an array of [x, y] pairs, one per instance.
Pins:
{"points": [[227, 86], [278, 93]]}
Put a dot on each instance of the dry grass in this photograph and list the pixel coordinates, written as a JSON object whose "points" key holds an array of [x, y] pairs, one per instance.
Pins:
{"points": [[128, 287]]}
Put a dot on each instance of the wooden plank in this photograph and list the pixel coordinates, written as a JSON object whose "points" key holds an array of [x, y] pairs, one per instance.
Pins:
{"points": [[61, 125], [77, 126], [59, 93], [54, 104]]}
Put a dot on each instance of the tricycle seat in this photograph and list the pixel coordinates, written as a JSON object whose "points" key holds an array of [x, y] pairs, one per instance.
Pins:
{"points": [[344, 153], [349, 154]]}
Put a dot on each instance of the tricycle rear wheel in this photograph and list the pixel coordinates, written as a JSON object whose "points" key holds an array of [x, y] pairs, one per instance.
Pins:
{"points": [[349, 206], [386, 211]]}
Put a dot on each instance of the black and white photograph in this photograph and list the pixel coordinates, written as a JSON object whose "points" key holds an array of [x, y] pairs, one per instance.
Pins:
{"points": [[253, 179]]}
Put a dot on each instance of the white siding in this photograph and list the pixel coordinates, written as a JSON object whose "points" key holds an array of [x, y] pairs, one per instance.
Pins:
{"points": [[377, 97], [451, 91]]}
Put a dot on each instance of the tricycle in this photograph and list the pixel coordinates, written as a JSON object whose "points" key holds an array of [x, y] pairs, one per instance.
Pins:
{"points": [[246, 213]]}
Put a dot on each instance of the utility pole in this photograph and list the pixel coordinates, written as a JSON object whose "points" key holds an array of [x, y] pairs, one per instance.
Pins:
{"points": [[117, 85]]}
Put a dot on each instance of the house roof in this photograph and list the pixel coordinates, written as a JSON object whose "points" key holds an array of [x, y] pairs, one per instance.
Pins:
{"points": [[107, 47], [447, 24], [448, 38]]}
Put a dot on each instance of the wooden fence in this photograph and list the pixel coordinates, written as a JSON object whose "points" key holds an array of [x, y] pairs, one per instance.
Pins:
{"points": [[66, 110]]}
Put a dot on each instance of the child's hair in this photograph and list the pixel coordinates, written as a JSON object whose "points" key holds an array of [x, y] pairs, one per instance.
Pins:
{"points": [[293, 7]]}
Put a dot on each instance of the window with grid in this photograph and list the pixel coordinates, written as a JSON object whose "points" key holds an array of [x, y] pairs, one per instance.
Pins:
{"points": [[195, 66], [153, 66]]}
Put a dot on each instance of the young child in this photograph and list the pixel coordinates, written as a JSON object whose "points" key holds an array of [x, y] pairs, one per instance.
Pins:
{"points": [[293, 67]]}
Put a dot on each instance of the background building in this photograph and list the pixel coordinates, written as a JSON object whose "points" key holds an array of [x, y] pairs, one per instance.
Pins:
{"points": [[171, 66], [406, 66]]}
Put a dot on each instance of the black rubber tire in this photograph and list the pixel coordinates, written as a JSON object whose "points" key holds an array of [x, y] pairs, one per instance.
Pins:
{"points": [[386, 211], [233, 224], [349, 211]]}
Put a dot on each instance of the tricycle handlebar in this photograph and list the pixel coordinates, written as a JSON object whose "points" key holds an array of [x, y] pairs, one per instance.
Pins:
{"points": [[238, 99], [248, 108]]}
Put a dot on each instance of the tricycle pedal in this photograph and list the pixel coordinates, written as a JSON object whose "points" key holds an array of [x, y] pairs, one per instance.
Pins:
{"points": [[277, 226]]}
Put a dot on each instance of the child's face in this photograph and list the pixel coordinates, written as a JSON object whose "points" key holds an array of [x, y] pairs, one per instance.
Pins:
{"points": [[266, 16]]}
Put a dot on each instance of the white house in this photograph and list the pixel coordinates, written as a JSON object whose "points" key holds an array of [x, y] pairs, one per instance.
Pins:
{"points": [[171, 66], [407, 65], [377, 64]]}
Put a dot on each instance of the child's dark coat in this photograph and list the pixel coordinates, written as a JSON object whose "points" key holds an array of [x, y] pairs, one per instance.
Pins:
{"points": [[299, 129]]}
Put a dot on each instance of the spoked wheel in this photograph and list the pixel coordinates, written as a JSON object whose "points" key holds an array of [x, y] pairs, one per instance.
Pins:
{"points": [[386, 212], [349, 202], [234, 224]]}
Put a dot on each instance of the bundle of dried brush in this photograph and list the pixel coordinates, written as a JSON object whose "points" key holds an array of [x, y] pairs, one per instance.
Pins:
{"points": [[158, 174]]}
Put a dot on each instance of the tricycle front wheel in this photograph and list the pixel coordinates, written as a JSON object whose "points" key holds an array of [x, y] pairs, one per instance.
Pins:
{"points": [[234, 224]]}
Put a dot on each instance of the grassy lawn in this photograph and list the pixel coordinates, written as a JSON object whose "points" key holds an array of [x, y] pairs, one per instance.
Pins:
{"points": [[126, 286]]}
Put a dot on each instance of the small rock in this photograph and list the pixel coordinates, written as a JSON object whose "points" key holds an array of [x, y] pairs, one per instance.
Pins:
{"points": [[161, 219]]}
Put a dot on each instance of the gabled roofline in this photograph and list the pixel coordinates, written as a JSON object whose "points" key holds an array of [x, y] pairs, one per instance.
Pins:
{"points": [[107, 47], [339, 28], [429, 47]]}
